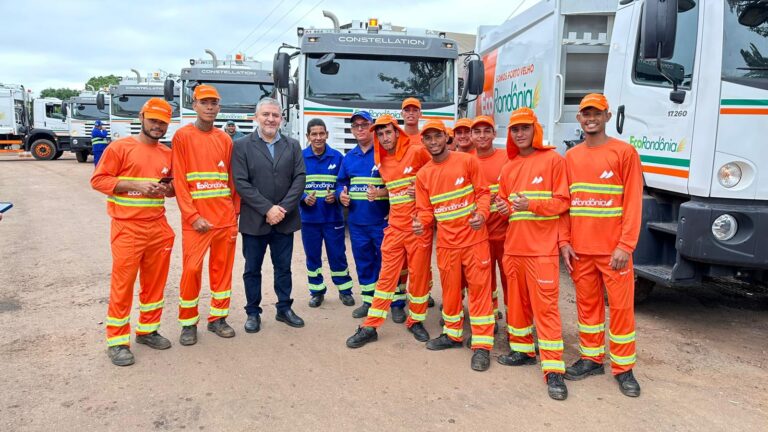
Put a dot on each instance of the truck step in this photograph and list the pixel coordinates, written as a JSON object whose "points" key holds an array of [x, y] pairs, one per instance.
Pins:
{"points": [[661, 274], [665, 227]]}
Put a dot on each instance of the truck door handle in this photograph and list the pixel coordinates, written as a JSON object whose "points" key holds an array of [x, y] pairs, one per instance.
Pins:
{"points": [[620, 119]]}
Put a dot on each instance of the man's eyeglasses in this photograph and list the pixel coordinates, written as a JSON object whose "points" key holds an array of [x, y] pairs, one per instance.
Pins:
{"points": [[361, 126]]}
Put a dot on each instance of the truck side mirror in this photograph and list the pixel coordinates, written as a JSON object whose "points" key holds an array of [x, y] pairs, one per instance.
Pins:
{"points": [[475, 77], [64, 109], [293, 93], [100, 101], [657, 35], [168, 87], [281, 68]]}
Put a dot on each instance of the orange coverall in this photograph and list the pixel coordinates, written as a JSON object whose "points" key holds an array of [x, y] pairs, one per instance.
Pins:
{"points": [[448, 193], [204, 188], [606, 187], [401, 246], [141, 237], [531, 258]]}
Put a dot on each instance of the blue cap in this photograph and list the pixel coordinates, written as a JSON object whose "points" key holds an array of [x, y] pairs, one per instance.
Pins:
{"points": [[363, 114], [98, 123]]}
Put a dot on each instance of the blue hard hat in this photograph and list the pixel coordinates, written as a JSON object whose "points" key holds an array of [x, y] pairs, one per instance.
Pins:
{"points": [[98, 123], [364, 115]]}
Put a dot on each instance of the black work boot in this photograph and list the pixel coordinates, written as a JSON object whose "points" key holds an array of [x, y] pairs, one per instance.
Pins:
{"points": [[347, 299], [481, 360], [628, 384], [362, 336], [419, 332], [442, 342], [430, 302], [221, 328], [121, 355], [516, 358], [583, 368], [362, 311], [153, 340], [556, 386], [188, 335], [316, 300], [398, 315]]}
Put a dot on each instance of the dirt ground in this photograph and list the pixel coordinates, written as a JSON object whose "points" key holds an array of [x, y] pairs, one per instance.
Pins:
{"points": [[701, 355]]}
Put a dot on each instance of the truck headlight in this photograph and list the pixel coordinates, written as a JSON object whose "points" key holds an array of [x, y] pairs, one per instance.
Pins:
{"points": [[729, 175], [116, 135], [724, 227]]}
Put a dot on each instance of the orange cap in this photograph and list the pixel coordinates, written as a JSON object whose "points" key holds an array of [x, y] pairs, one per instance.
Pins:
{"points": [[463, 122], [205, 91], [158, 109], [525, 115], [433, 124], [594, 100], [411, 102], [403, 141], [450, 132], [483, 119]]}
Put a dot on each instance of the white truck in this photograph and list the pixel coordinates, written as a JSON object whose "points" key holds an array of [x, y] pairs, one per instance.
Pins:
{"points": [[688, 86], [38, 126], [366, 65], [82, 113], [240, 81], [127, 99]]}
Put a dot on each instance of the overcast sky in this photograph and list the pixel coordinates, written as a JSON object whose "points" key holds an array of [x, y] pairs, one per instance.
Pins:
{"points": [[62, 43]]}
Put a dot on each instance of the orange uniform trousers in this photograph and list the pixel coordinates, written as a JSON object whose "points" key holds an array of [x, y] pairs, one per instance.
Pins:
{"points": [[221, 243], [497, 262], [590, 274], [398, 248], [534, 287], [474, 262], [144, 248]]}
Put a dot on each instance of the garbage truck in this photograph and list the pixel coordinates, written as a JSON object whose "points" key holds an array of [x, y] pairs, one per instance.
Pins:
{"points": [[82, 113], [687, 82]]}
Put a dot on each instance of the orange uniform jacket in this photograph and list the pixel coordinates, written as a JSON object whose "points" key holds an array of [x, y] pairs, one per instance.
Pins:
{"points": [[398, 176], [130, 159], [203, 177], [606, 187], [448, 192], [490, 167], [541, 177]]}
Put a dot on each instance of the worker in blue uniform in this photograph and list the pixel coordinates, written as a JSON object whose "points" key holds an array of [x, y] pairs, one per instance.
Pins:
{"points": [[321, 217]]}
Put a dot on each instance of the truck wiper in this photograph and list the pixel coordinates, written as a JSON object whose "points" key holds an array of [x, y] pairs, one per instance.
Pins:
{"points": [[759, 68], [342, 96]]}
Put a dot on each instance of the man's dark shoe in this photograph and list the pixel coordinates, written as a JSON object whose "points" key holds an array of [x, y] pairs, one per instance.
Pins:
{"points": [[362, 336], [289, 317], [316, 300], [121, 355], [430, 302], [481, 360], [221, 328], [495, 328], [361, 312], [556, 386], [419, 332], [442, 342], [153, 340], [253, 324], [628, 384], [347, 299], [188, 335], [398, 315], [516, 358], [583, 368]]}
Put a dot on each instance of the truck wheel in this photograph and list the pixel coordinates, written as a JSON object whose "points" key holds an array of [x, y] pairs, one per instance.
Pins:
{"points": [[643, 288], [82, 156], [58, 154], [43, 149]]}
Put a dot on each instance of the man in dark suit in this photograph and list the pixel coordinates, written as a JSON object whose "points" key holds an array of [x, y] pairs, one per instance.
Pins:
{"points": [[269, 177]]}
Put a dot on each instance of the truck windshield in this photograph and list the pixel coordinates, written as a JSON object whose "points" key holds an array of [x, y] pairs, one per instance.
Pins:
{"points": [[745, 48], [89, 112], [236, 97], [381, 79], [131, 105]]}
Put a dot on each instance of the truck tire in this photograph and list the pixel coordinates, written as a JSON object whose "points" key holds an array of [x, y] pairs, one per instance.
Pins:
{"points": [[82, 156], [43, 149], [58, 154], [643, 288]]}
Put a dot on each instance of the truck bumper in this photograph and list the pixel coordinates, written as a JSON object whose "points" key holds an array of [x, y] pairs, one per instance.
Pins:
{"points": [[748, 249], [80, 143]]}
